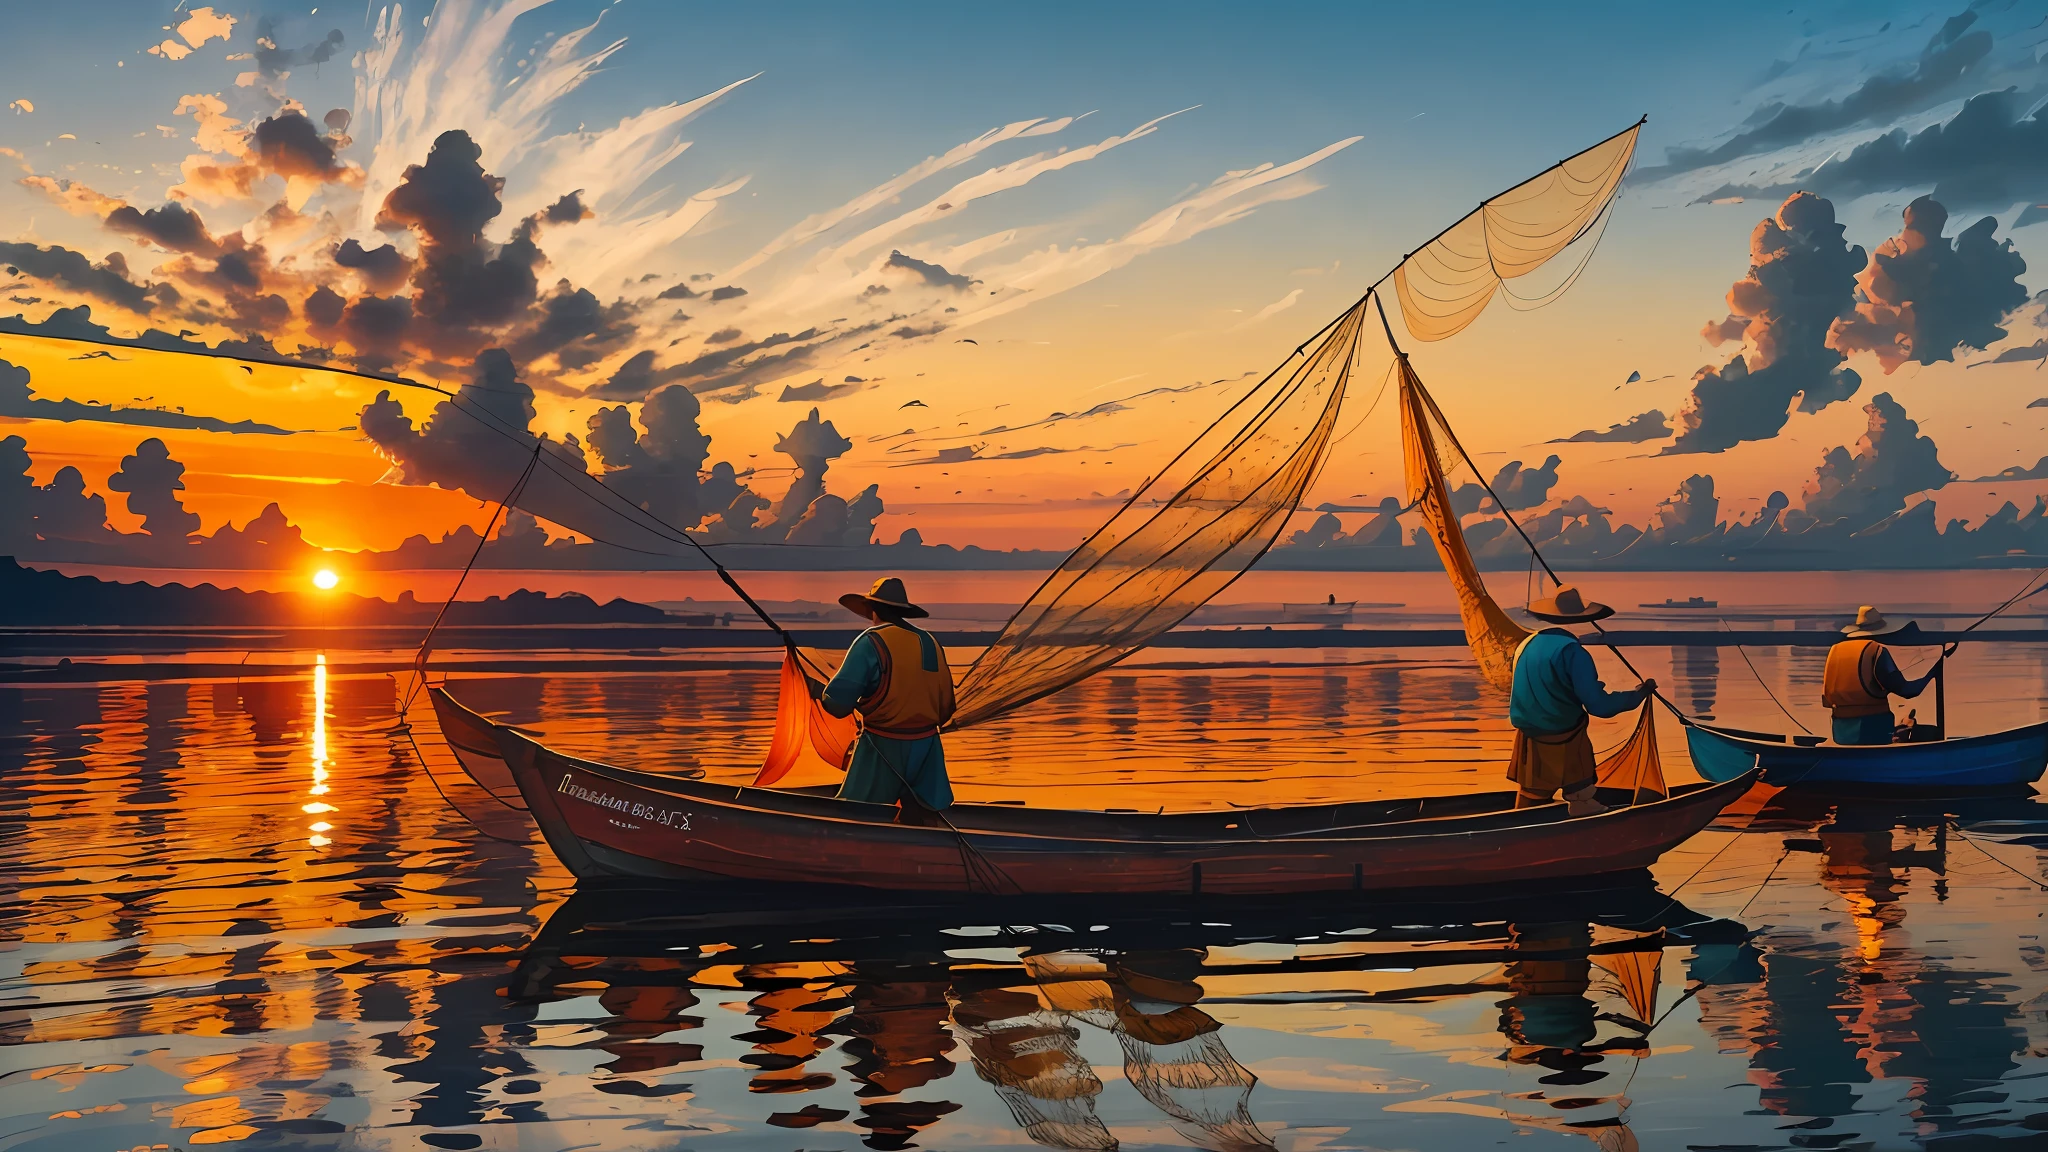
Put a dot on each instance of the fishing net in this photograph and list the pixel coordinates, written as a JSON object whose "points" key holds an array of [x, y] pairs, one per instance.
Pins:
{"points": [[1447, 283], [1186, 534], [1424, 433], [1636, 765]]}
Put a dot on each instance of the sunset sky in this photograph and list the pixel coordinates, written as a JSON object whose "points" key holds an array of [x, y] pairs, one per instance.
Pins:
{"points": [[956, 221]]}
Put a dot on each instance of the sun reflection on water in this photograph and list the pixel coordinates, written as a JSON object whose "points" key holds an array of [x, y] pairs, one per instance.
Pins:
{"points": [[318, 839]]}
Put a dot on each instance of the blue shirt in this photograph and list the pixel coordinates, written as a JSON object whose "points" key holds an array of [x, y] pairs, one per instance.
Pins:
{"points": [[1556, 685]]}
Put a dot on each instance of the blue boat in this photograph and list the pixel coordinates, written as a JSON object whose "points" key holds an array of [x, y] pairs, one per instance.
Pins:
{"points": [[1997, 760]]}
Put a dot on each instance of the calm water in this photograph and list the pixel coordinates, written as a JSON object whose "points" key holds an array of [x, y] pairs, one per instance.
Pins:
{"points": [[240, 913]]}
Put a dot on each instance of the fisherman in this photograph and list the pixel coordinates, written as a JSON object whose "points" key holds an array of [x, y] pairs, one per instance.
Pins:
{"points": [[1861, 676], [1556, 687], [895, 675]]}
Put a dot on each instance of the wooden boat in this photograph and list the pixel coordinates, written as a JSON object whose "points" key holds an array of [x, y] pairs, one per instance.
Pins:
{"points": [[611, 823], [2008, 759]]}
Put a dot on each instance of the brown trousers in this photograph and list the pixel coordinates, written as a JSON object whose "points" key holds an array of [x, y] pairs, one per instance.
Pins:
{"points": [[1546, 763]]}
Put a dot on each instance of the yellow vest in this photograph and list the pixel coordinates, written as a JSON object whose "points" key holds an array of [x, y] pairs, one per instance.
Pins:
{"points": [[1849, 685], [911, 701]]}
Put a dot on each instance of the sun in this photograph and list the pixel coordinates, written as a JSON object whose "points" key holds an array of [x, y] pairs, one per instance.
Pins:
{"points": [[325, 579]]}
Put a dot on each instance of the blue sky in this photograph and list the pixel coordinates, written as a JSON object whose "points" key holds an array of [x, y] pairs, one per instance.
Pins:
{"points": [[1448, 104]]}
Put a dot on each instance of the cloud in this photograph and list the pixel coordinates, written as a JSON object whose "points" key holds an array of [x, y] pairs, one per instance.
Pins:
{"points": [[929, 274], [273, 61], [2038, 350], [2038, 472], [203, 24], [1951, 53], [1892, 461], [18, 400], [289, 145], [1270, 310], [568, 210], [152, 481], [1520, 488], [656, 469], [1986, 156], [815, 391], [813, 444], [960, 454], [1923, 297], [1639, 429], [817, 225], [1802, 278], [173, 227], [21, 106], [74, 197], [382, 268], [106, 281]]}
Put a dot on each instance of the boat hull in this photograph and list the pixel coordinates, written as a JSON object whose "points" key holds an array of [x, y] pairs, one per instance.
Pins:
{"points": [[608, 824], [1998, 760]]}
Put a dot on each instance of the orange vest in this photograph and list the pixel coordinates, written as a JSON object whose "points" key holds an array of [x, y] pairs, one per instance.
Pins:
{"points": [[1849, 685], [912, 700]]}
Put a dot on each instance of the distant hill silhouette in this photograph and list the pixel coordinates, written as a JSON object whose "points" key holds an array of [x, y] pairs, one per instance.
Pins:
{"points": [[33, 598]]}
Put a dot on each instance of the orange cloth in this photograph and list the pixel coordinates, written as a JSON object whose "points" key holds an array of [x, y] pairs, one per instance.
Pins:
{"points": [[803, 729]]}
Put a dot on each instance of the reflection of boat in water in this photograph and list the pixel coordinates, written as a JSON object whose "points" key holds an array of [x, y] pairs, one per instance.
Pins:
{"points": [[1688, 602], [2009, 759], [897, 982], [1903, 1034], [608, 822]]}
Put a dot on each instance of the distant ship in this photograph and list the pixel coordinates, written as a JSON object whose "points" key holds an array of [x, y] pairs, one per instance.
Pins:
{"points": [[1332, 610], [1688, 602]]}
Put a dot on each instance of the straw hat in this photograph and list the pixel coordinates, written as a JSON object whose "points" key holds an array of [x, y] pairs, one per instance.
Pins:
{"points": [[1870, 624], [887, 595], [1568, 607]]}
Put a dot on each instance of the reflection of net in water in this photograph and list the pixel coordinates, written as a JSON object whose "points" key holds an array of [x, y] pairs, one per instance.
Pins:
{"points": [[1027, 1052], [1174, 1054]]}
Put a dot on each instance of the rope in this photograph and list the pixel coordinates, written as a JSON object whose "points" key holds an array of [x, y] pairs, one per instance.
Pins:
{"points": [[457, 808], [989, 872], [1760, 681], [1988, 855], [427, 642], [1452, 435]]}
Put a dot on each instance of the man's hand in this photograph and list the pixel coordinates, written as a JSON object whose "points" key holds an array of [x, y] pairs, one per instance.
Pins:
{"points": [[1647, 687]]}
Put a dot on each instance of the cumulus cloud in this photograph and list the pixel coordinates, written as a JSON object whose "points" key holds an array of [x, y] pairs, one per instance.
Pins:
{"points": [[1648, 426], [656, 469], [1951, 53], [382, 268], [1892, 461], [1802, 279], [814, 443], [1923, 297], [1986, 156], [173, 227], [152, 481]]}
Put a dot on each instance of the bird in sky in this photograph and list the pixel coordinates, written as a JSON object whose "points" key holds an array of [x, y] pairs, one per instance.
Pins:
{"points": [[914, 404]]}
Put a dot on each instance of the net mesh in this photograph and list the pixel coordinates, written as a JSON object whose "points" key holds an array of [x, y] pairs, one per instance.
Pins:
{"points": [[1185, 535], [1446, 284], [1424, 433]]}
